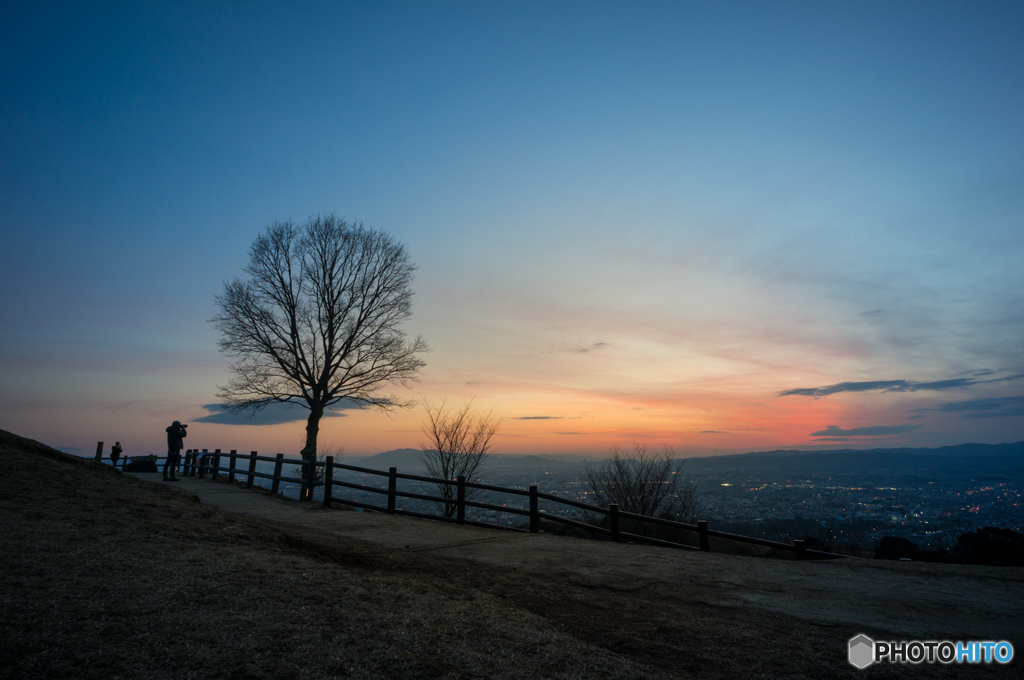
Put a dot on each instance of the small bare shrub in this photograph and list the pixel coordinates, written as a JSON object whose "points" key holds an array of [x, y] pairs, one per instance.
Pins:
{"points": [[643, 482], [457, 442]]}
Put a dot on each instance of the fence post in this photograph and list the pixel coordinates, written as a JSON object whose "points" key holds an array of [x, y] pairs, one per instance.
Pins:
{"points": [[99, 452], [328, 481], [460, 499], [216, 465], [276, 484], [392, 489], [204, 463], [702, 527], [613, 520], [195, 463], [800, 546], [534, 510], [231, 466], [252, 470]]}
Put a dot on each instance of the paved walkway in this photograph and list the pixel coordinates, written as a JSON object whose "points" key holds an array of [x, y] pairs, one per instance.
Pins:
{"points": [[911, 600]]}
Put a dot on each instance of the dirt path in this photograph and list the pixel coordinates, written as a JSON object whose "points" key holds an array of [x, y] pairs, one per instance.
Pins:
{"points": [[894, 600]]}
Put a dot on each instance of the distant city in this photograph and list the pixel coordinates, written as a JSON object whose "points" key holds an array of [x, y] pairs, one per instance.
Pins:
{"points": [[853, 497]]}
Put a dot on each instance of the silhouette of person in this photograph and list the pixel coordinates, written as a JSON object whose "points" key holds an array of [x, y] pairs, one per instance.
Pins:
{"points": [[175, 434], [115, 453]]}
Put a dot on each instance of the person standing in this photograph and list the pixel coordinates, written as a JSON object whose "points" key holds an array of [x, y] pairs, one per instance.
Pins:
{"points": [[176, 433], [115, 453]]}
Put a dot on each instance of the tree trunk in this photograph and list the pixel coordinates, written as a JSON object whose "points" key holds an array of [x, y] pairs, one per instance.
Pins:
{"points": [[312, 429], [309, 451]]}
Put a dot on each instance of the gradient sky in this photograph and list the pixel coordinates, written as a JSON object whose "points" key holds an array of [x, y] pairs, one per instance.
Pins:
{"points": [[727, 226]]}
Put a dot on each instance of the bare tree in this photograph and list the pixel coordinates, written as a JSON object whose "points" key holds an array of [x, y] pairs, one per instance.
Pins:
{"points": [[643, 482], [318, 321], [457, 442]]}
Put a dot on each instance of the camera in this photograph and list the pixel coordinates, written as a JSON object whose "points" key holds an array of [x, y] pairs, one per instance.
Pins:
{"points": [[184, 424]]}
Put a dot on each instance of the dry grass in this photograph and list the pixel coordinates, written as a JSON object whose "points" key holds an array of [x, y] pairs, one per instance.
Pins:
{"points": [[105, 576]]}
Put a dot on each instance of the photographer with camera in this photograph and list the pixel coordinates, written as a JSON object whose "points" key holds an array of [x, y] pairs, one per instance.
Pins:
{"points": [[176, 433]]}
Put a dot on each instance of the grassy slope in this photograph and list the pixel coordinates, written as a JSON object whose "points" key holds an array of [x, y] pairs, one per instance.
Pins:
{"points": [[104, 576]]}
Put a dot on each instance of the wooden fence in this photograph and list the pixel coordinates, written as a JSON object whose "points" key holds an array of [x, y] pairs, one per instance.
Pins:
{"points": [[202, 463]]}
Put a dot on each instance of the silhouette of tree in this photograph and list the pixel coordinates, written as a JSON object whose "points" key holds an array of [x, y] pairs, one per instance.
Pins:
{"points": [[318, 320], [457, 442], [643, 482]]}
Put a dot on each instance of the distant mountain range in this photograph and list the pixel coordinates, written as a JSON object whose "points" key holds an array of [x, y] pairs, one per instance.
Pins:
{"points": [[977, 458], [409, 459]]}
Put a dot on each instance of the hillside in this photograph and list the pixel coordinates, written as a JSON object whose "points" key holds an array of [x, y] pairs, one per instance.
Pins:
{"points": [[105, 575]]}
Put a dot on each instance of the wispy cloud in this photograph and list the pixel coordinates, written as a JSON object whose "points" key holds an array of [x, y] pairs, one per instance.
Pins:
{"points": [[712, 432], [595, 346], [275, 414], [540, 418], [871, 431], [992, 407], [894, 386]]}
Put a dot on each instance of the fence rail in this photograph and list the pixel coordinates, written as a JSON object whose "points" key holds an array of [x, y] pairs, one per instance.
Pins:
{"points": [[201, 463]]}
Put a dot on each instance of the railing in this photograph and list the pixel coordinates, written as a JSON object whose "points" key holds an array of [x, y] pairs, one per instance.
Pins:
{"points": [[200, 463]]}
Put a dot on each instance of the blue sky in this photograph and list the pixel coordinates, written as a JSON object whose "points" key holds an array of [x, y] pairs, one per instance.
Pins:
{"points": [[647, 219]]}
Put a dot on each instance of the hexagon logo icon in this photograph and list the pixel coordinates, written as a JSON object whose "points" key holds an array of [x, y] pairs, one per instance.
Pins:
{"points": [[862, 651]]}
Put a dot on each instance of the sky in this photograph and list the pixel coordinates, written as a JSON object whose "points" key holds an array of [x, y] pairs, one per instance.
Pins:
{"points": [[721, 226]]}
